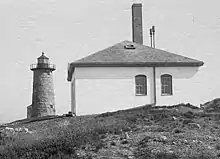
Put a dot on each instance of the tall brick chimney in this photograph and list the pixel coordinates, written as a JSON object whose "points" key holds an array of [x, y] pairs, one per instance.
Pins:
{"points": [[137, 28]]}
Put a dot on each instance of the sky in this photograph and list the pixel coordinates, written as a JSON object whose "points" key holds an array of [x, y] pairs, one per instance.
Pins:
{"points": [[67, 30]]}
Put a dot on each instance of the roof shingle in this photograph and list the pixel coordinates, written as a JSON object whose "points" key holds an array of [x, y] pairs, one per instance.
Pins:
{"points": [[141, 55]]}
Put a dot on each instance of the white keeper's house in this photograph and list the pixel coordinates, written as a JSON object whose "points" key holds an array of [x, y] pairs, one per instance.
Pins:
{"points": [[130, 74]]}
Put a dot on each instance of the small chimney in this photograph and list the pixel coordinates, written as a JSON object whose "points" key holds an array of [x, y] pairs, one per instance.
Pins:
{"points": [[137, 28]]}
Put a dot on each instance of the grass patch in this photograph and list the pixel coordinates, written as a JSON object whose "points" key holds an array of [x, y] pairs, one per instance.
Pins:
{"points": [[154, 133], [61, 141]]}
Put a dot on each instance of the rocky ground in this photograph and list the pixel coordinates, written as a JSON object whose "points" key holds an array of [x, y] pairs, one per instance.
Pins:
{"points": [[180, 131]]}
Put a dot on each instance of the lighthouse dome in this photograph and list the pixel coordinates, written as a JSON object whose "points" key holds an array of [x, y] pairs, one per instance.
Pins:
{"points": [[42, 59]]}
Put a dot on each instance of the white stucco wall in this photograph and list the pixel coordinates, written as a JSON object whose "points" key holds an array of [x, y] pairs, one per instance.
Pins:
{"points": [[98, 89], [182, 83], [108, 89]]}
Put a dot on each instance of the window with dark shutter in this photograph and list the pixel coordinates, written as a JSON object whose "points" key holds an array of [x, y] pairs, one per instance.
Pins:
{"points": [[166, 85], [141, 85]]}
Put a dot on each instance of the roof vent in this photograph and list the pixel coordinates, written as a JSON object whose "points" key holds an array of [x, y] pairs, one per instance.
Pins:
{"points": [[129, 46]]}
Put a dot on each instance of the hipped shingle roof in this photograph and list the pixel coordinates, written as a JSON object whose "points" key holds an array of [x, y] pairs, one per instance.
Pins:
{"points": [[139, 56]]}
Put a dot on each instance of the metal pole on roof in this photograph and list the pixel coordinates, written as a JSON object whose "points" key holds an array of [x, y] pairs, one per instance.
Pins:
{"points": [[153, 32], [150, 37]]}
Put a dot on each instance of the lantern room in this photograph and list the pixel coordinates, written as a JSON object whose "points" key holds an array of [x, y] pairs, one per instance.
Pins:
{"points": [[43, 59], [43, 63]]}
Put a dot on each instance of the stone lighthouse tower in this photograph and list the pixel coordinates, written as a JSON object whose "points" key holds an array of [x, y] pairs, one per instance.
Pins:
{"points": [[43, 102]]}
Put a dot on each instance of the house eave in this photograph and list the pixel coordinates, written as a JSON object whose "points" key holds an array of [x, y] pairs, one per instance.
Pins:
{"points": [[144, 64]]}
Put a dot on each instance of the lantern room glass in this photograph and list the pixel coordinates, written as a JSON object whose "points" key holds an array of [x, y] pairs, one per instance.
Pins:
{"points": [[41, 60]]}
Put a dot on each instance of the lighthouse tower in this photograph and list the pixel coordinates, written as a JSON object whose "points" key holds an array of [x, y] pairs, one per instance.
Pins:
{"points": [[43, 100]]}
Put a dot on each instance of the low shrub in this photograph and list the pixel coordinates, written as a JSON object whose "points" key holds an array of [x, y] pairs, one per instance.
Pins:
{"points": [[217, 146], [189, 115], [124, 142], [102, 136], [107, 114], [157, 128], [177, 130], [203, 156], [98, 145], [131, 119], [166, 155], [160, 116], [112, 143], [143, 152], [187, 121]]}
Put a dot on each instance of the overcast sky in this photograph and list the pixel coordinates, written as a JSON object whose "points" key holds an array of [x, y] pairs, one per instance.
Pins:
{"points": [[67, 30]]}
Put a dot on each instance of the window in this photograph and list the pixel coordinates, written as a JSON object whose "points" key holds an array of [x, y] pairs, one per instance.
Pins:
{"points": [[141, 84], [166, 84]]}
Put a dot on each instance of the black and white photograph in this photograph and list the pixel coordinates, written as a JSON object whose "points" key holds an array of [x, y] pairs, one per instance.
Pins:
{"points": [[108, 79]]}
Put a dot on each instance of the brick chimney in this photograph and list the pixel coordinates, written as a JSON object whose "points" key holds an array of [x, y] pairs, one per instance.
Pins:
{"points": [[137, 28]]}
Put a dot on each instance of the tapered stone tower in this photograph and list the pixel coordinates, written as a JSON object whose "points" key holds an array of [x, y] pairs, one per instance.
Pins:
{"points": [[43, 100]]}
